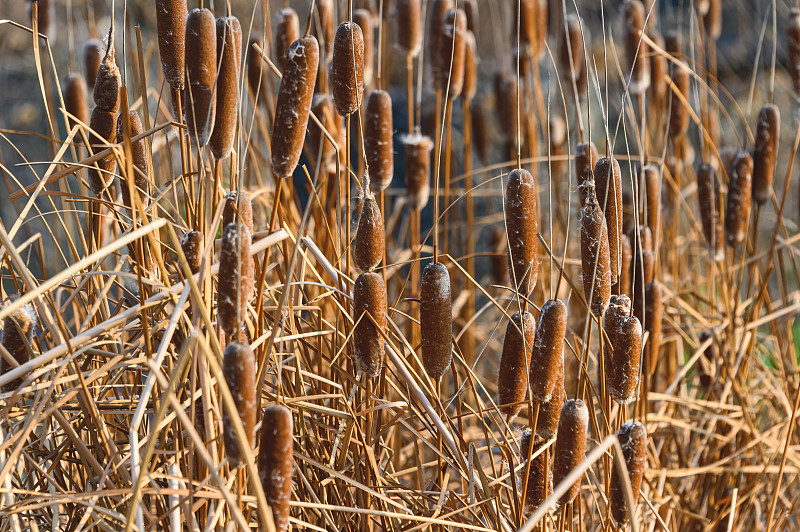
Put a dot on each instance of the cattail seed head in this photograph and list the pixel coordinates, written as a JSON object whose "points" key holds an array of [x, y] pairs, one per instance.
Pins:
{"points": [[507, 87], [238, 367], [104, 124], [512, 379], [497, 245], [44, 19], [622, 360], [293, 105], [481, 135], [633, 18], [570, 446], [256, 74], [363, 19], [625, 258], [653, 319], [171, 26], [530, 17], [418, 169], [229, 54], [540, 476], [437, 326], [369, 300], [652, 184], [633, 440], [74, 89], [522, 227], [347, 68], [369, 242], [608, 183], [238, 203], [201, 69], [712, 20], [287, 30], [642, 267], [378, 143], [408, 38], [793, 47], [235, 286], [709, 206], [18, 330], [275, 462], [108, 80], [434, 41], [139, 156], [92, 55], [192, 246], [768, 133], [470, 66], [586, 158], [452, 51], [737, 213], [470, 8], [547, 424], [571, 57], [548, 351], [659, 69], [323, 27], [595, 254], [678, 110]]}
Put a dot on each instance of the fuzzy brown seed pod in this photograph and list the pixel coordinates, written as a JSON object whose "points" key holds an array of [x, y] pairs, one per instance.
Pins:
{"points": [[481, 134], [622, 360], [287, 30], [530, 16], [547, 424], [768, 133], [540, 476], [418, 169], [369, 300], [74, 89], [712, 20], [470, 66], [653, 319], [139, 156], [235, 286], [201, 69], [548, 350], [369, 242], [678, 110], [636, 54], [595, 254], [323, 26], [238, 203], [239, 369], [18, 329], [793, 47], [275, 462], [293, 106], [363, 19], [434, 42], [570, 446], [507, 89], [522, 227], [452, 49], [709, 207], [586, 158], [497, 246], [192, 246], [633, 440], [608, 183], [171, 26], [436, 327], [92, 55], [651, 178], [512, 379], [642, 267], [737, 213], [256, 74], [104, 124], [571, 57], [229, 53], [623, 285], [347, 68], [470, 8], [659, 69], [408, 38], [378, 144], [108, 80]]}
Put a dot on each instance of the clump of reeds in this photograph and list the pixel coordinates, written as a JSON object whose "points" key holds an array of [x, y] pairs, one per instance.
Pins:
{"points": [[235, 286], [709, 207], [548, 351], [347, 68], [608, 184], [595, 253], [171, 26], [287, 30], [369, 304], [201, 72], [192, 247], [765, 152], [75, 94], [238, 367], [737, 213], [369, 242], [633, 440], [436, 326], [408, 38], [623, 352], [229, 55], [275, 462], [633, 23], [570, 447], [418, 169], [515, 363], [141, 184], [522, 226], [378, 143], [17, 336], [92, 55]]}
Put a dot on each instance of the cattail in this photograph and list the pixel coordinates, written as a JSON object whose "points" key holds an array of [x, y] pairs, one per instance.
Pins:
{"points": [[608, 183], [409, 27], [622, 360], [642, 267], [229, 54], [570, 447], [522, 227], [171, 26], [235, 285], [18, 330], [238, 367], [652, 195], [287, 30], [659, 69], [108, 80], [547, 424], [512, 379], [139, 159], [672, 44], [369, 242], [74, 89], [507, 88], [418, 168], [586, 158], [238, 207], [726, 155], [470, 88], [595, 255], [678, 105], [452, 47], [548, 351], [540, 476], [44, 17], [793, 47], [470, 8], [201, 69], [633, 18], [378, 144], [363, 19], [256, 74], [104, 124], [369, 301], [737, 212], [323, 27], [633, 440], [653, 319], [92, 55], [497, 245], [708, 199], [712, 20], [436, 46], [708, 363], [347, 68], [619, 308], [192, 247], [571, 57], [481, 136], [530, 18], [275, 462], [436, 327], [768, 133], [293, 106]]}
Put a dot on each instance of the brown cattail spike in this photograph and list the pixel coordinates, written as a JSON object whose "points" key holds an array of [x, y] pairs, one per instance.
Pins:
{"points": [[547, 424], [633, 440], [141, 184], [652, 196], [540, 475], [275, 462], [238, 208], [481, 134], [235, 278], [18, 329], [586, 158], [239, 367], [709, 207], [712, 20], [323, 27], [256, 74], [363, 19], [229, 54], [740, 187], [512, 379], [529, 19], [497, 246], [653, 319], [92, 55], [108, 81], [347, 68], [418, 169], [619, 308], [369, 240], [192, 246], [623, 285], [409, 26], [659, 68], [642, 267], [287, 30], [293, 106], [768, 133], [439, 9], [793, 47], [595, 255], [104, 124], [570, 445], [622, 359], [470, 66], [369, 303], [608, 181], [679, 103], [522, 227], [74, 89], [378, 145], [201, 69], [633, 18], [548, 352], [437, 326], [171, 25], [452, 49]]}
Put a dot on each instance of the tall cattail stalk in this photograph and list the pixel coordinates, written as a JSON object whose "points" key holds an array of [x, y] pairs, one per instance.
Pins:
{"points": [[571, 57], [653, 320], [548, 351], [75, 94], [139, 182], [363, 19], [275, 462], [636, 52], [538, 481], [378, 141], [192, 246], [651, 179], [586, 158], [515, 362], [238, 367], [793, 47]]}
